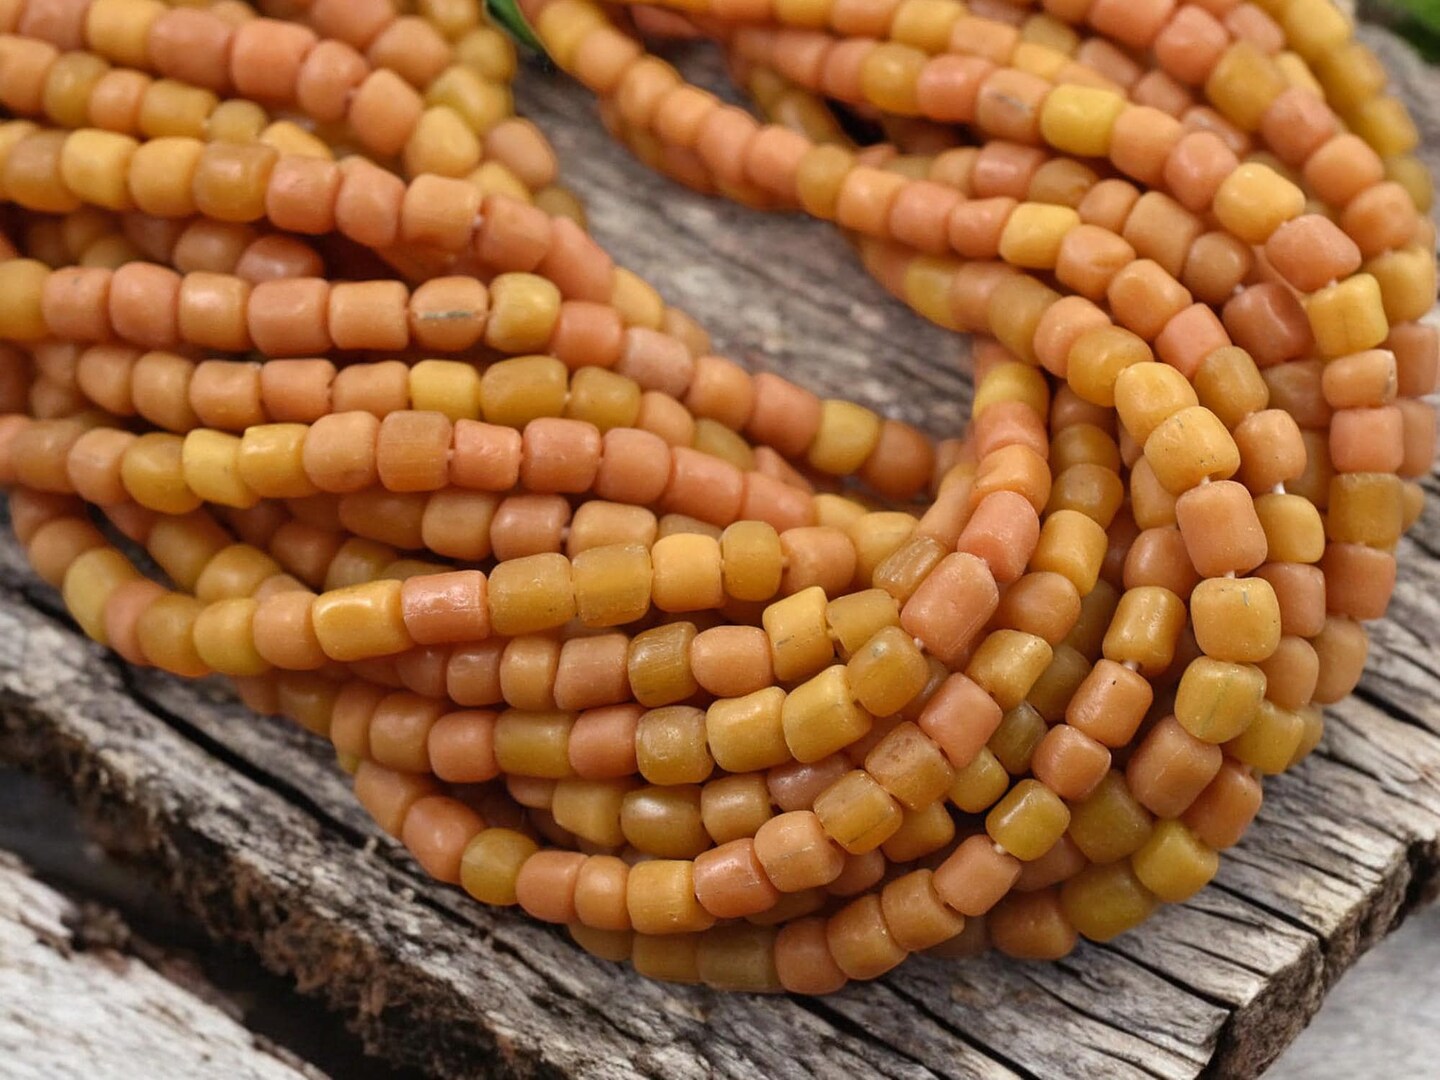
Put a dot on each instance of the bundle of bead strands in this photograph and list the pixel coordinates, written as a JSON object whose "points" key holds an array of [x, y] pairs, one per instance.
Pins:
{"points": [[745, 687]]}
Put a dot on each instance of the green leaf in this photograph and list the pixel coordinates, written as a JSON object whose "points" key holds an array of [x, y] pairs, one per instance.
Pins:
{"points": [[506, 15], [1424, 12]]}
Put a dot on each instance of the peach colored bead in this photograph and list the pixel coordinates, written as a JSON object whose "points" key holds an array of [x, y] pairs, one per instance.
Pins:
{"points": [[730, 881], [952, 605], [1003, 531], [974, 878]]}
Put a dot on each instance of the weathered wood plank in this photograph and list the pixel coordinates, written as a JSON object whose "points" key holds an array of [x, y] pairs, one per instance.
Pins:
{"points": [[253, 827], [69, 1007]]}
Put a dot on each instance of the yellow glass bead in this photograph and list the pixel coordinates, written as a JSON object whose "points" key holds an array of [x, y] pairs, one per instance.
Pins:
{"points": [[1313, 719], [124, 27], [441, 143], [1028, 821], [1073, 546], [734, 807], [746, 734], [1012, 381], [1229, 384], [1254, 200], [1243, 83], [752, 560], [922, 832], [514, 392], [613, 945], [1216, 700], [925, 24], [224, 639], [95, 164], [687, 573], [612, 584], [672, 958], [531, 594], [1057, 683], [1014, 741], [235, 570], [800, 642], [847, 436], [857, 813], [1079, 119], [888, 77], [88, 583], [658, 665], [1384, 123], [21, 283], [1102, 902], [1034, 231], [152, 471], [857, 617], [910, 766], [361, 621], [1412, 174], [1007, 663], [979, 784], [1038, 59], [1098, 357], [603, 398], [665, 821], [535, 744], [480, 102], [1313, 28], [523, 310], [661, 897], [738, 958], [1271, 741], [928, 279], [1146, 629], [562, 27], [1297, 72], [1191, 446], [1236, 619], [1109, 824], [671, 748], [591, 809], [887, 672], [210, 461], [166, 634], [1407, 283], [446, 386], [1347, 317], [271, 461], [491, 863], [236, 121], [1350, 76], [1174, 864], [1365, 508], [289, 139], [164, 169], [636, 300], [1146, 395], [820, 716], [876, 536], [1294, 530]]}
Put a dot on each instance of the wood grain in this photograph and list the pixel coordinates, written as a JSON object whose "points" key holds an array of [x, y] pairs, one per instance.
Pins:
{"points": [[72, 1003], [249, 822]]}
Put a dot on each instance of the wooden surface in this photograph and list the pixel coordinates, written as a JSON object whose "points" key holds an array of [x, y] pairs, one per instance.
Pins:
{"points": [[248, 822], [74, 1001]]}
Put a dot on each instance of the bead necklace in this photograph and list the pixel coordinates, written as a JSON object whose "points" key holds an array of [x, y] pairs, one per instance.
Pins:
{"points": [[666, 652]]}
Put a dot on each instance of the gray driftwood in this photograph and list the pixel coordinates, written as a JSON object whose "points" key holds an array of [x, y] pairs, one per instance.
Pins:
{"points": [[249, 823], [75, 1002]]}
